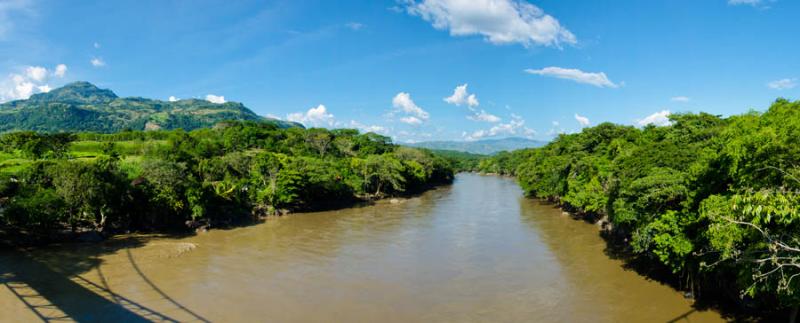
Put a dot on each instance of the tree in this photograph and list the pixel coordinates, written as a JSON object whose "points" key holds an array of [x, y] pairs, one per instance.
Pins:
{"points": [[760, 231], [384, 171], [37, 146], [320, 139], [275, 184], [93, 193]]}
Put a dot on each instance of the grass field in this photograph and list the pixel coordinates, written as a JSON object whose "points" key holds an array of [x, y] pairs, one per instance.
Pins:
{"points": [[130, 151]]}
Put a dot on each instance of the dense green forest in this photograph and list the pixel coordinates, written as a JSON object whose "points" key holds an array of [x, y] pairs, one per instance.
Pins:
{"points": [[160, 180], [713, 200], [81, 106], [460, 161]]}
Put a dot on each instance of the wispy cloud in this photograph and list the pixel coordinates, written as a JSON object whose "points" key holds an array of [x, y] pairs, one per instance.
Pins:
{"points": [[498, 21], [484, 116], [660, 118], [745, 2], [368, 128], [783, 84], [514, 127], [355, 26], [97, 62], [556, 129], [597, 79], [9, 9], [680, 99], [760, 4], [411, 120], [584, 121]]}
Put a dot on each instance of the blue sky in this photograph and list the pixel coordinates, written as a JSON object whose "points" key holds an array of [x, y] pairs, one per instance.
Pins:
{"points": [[531, 68]]}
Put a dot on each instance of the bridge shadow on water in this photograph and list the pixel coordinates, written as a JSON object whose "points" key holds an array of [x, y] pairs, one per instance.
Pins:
{"points": [[63, 293]]}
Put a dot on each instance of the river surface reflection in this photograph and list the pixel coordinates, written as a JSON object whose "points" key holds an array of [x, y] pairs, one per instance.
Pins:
{"points": [[475, 251]]}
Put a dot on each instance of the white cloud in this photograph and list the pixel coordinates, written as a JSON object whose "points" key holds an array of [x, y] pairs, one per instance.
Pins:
{"points": [[316, 117], [27, 81], [96, 45], [36, 73], [97, 62], [61, 70], [370, 128], [461, 96], [484, 116], [402, 102], [584, 121], [680, 99], [783, 84], [218, 99], [660, 118], [514, 127], [174, 99], [597, 79], [355, 26], [411, 120], [498, 21]]}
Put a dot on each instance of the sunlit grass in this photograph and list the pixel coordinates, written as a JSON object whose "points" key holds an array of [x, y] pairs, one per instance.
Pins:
{"points": [[131, 153]]}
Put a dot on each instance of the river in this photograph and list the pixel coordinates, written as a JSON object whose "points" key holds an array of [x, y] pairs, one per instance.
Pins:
{"points": [[474, 251]]}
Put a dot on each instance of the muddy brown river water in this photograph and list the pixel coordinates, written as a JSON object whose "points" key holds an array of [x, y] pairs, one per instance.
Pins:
{"points": [[476, 251]]}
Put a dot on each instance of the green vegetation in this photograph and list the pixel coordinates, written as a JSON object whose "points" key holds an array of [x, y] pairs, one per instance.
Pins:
{"points": [[81, 106], [715, 201], [164, 180], [460, 161]]}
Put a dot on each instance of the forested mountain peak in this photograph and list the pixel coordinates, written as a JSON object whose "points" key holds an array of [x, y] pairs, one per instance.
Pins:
{"points": [[82, 106], [80, 92]]}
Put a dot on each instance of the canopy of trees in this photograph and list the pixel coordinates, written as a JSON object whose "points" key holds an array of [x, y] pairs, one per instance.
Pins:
{"points": [[164, 179], [714, 200]]}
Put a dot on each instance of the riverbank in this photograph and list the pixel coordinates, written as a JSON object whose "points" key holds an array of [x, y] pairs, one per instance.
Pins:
{"points": [[15, 238], [617, 246], [91, 185], [473, 251]]}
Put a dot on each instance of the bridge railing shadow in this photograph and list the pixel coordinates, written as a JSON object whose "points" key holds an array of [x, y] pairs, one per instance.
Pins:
{"points": [[61, 293], [159, 291]]}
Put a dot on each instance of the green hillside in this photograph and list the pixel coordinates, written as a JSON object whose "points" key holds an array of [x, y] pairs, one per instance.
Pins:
{"points": [[81, 106], [482, 147]]}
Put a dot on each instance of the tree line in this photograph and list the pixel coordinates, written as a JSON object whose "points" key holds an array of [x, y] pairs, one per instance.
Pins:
{"points": [[166, 180], [714, 201]]}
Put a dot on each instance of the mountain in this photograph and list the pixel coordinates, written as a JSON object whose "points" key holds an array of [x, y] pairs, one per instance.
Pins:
{"points": [[81, 106], [483, 147]]}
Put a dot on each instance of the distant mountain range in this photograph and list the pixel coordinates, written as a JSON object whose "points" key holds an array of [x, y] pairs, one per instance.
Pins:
{"points": [[483, 147], [81, 106]]}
